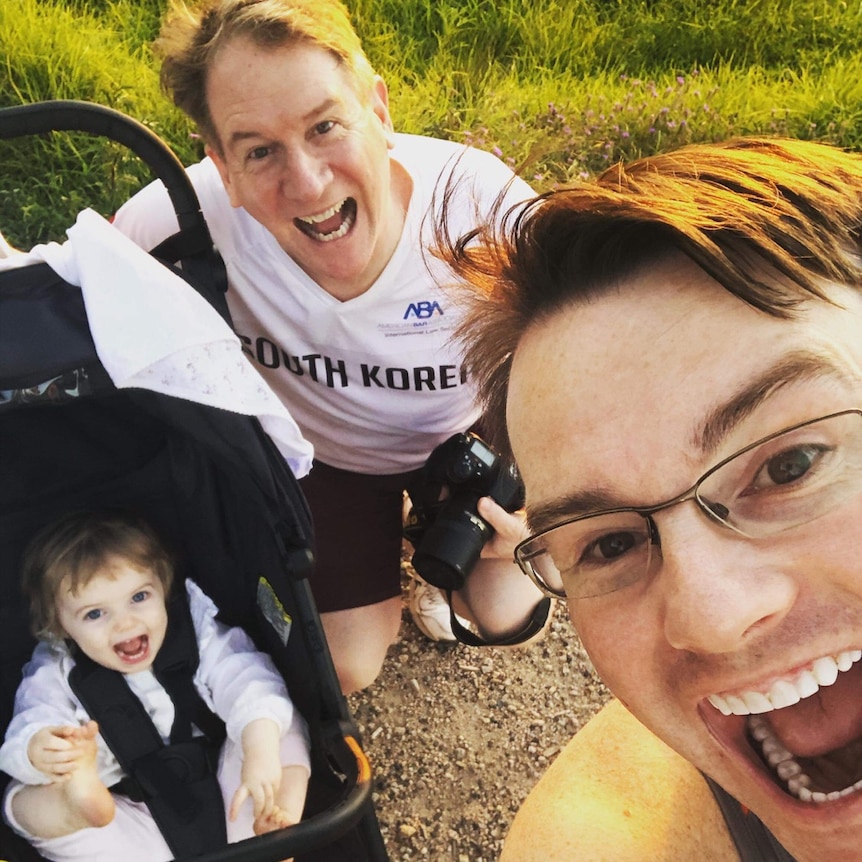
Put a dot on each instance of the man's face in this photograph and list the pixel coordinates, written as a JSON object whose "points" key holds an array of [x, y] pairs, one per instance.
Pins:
{"points": [[610, 400], [308, 157], [118, 618]]}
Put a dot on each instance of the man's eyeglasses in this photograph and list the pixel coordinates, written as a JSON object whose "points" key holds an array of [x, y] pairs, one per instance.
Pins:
{"points": [[785, 480]]}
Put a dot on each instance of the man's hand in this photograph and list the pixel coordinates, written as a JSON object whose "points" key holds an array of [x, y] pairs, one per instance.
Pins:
{"points": [[509, 529]]}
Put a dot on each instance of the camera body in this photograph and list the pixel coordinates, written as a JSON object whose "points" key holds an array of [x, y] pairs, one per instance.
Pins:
{"points": [[443, 524]]}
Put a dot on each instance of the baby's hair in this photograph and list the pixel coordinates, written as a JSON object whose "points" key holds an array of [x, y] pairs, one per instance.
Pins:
{"points": [[70, 551]]}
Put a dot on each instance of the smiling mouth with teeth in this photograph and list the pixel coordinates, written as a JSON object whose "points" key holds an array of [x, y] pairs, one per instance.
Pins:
{"points": [[806, 729], [331, 224], [133, 650]]}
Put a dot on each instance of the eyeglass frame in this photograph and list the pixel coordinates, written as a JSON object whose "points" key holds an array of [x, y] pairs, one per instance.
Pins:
{"points": [[648, 511]]}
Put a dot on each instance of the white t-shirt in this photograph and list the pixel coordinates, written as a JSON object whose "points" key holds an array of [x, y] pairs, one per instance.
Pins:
{"points": [[376, 382]]}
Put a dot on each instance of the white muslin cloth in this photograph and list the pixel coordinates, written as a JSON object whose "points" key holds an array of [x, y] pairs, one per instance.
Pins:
{"points": [[153, 331]]}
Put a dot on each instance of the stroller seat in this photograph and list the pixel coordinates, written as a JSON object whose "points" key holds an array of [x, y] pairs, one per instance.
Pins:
{"points": [[173, 423]]}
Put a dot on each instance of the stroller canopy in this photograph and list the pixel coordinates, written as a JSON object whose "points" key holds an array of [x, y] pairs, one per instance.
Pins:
{"points": [[150, 330]]}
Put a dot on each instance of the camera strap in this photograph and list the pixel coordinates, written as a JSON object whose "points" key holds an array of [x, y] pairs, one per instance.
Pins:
{"points": [[538, 620]]}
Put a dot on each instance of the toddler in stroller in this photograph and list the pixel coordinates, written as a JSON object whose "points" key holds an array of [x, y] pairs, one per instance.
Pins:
{"points": [[99, 586]]}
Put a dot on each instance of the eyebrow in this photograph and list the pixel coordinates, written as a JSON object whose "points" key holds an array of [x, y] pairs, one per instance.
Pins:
{"points": [[569, 506], [148, 584], [322, 108], [794, 367], [83, 609]]}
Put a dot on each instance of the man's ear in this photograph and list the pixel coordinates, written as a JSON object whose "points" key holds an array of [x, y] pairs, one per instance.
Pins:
{"points": [[224, 173], [380, 106]]}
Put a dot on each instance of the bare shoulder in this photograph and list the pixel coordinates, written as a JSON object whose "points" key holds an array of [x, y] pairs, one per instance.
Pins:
{"points": [[616, 792]]}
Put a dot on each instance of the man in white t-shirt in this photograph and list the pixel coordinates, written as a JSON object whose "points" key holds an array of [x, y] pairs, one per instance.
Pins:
{"points": [[324, 217]]}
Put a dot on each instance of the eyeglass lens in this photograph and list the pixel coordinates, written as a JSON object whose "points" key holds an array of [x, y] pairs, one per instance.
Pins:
{"points": [[786, 480]]}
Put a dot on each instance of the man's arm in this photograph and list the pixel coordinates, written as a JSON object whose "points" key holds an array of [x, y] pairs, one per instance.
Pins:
{"points": [[618, 794]]}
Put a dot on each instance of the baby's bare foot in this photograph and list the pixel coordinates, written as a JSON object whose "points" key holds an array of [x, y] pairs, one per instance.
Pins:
{"points": [[84, 790], [275, 819], [87, 794]]}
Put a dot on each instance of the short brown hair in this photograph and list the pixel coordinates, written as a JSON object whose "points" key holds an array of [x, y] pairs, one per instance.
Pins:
{"points": [[71, 550], [192, 35], [772, 220]]}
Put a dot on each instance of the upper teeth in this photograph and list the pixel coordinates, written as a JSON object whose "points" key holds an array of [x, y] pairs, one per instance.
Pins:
{"points": [[316, 219], [785, 692]]}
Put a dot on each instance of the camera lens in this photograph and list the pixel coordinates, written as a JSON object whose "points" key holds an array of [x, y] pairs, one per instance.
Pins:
{"points": [[449, 550]]}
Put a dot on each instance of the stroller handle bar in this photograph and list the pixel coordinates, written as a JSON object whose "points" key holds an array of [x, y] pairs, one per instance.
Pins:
{"points": [[192, 246], [70, 115]]}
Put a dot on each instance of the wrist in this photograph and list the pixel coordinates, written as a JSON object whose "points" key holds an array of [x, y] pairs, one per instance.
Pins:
{"points": [[260, 736]]}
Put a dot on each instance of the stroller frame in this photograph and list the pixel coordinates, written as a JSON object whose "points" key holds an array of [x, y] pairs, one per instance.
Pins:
{"points": [[210, 480]]}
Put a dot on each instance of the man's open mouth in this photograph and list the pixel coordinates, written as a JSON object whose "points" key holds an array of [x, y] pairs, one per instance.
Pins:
{"points": [[133, 649], [331, 224], [807, 730]]}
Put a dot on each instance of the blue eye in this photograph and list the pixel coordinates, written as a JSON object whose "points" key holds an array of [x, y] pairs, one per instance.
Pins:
{"points": [[93, 614], [140, 596], [324, 127]]}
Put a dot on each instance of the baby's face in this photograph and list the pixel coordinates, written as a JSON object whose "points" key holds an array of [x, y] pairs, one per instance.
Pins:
{"points": [[118, 618]]}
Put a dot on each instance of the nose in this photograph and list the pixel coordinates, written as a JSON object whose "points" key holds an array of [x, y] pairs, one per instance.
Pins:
{"points": [[719, 591], [124, 621], [306, 175]]}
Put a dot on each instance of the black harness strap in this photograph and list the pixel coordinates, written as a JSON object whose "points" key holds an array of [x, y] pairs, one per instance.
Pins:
{"points": [[177, 781]]}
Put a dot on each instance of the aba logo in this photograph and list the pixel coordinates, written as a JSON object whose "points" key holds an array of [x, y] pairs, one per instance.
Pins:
{"points": [[422, 310]]}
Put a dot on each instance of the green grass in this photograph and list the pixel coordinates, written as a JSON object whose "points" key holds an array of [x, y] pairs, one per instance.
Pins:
{"points": [[565, 86], [95, 51]]}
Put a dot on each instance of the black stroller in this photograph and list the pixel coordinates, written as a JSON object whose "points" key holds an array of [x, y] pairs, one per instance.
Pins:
{"points": [[212, 482]]}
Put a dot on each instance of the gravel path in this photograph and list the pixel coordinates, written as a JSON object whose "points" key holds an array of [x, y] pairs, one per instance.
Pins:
{"points": [[457, 736]]}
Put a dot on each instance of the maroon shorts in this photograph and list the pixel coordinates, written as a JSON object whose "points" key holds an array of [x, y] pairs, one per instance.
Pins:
{"points": [[357, 536]]}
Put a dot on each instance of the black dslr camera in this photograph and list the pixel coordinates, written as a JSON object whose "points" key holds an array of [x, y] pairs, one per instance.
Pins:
{"points": [[443, 525]]}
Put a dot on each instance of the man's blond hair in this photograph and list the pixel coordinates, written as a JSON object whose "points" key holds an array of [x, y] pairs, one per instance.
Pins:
{"points": [[192, 36]]}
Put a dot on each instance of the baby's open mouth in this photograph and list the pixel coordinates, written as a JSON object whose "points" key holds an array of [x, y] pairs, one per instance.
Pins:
{"points": [[331, 224], [134, 649], [807, 730]]}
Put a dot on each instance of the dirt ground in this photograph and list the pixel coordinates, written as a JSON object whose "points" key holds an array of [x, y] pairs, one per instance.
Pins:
{"points": [[457, 736]]}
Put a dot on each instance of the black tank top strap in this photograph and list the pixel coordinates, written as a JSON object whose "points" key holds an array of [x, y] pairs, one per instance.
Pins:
{"points": [[754, 842]]}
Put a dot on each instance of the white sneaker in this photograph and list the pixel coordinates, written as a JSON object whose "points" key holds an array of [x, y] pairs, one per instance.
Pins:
{"points": [[430, 610]]}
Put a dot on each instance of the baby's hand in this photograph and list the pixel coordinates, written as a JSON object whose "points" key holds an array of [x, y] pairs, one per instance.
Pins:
{"points": [[60, 751], [259, 784], [261, 770]]}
